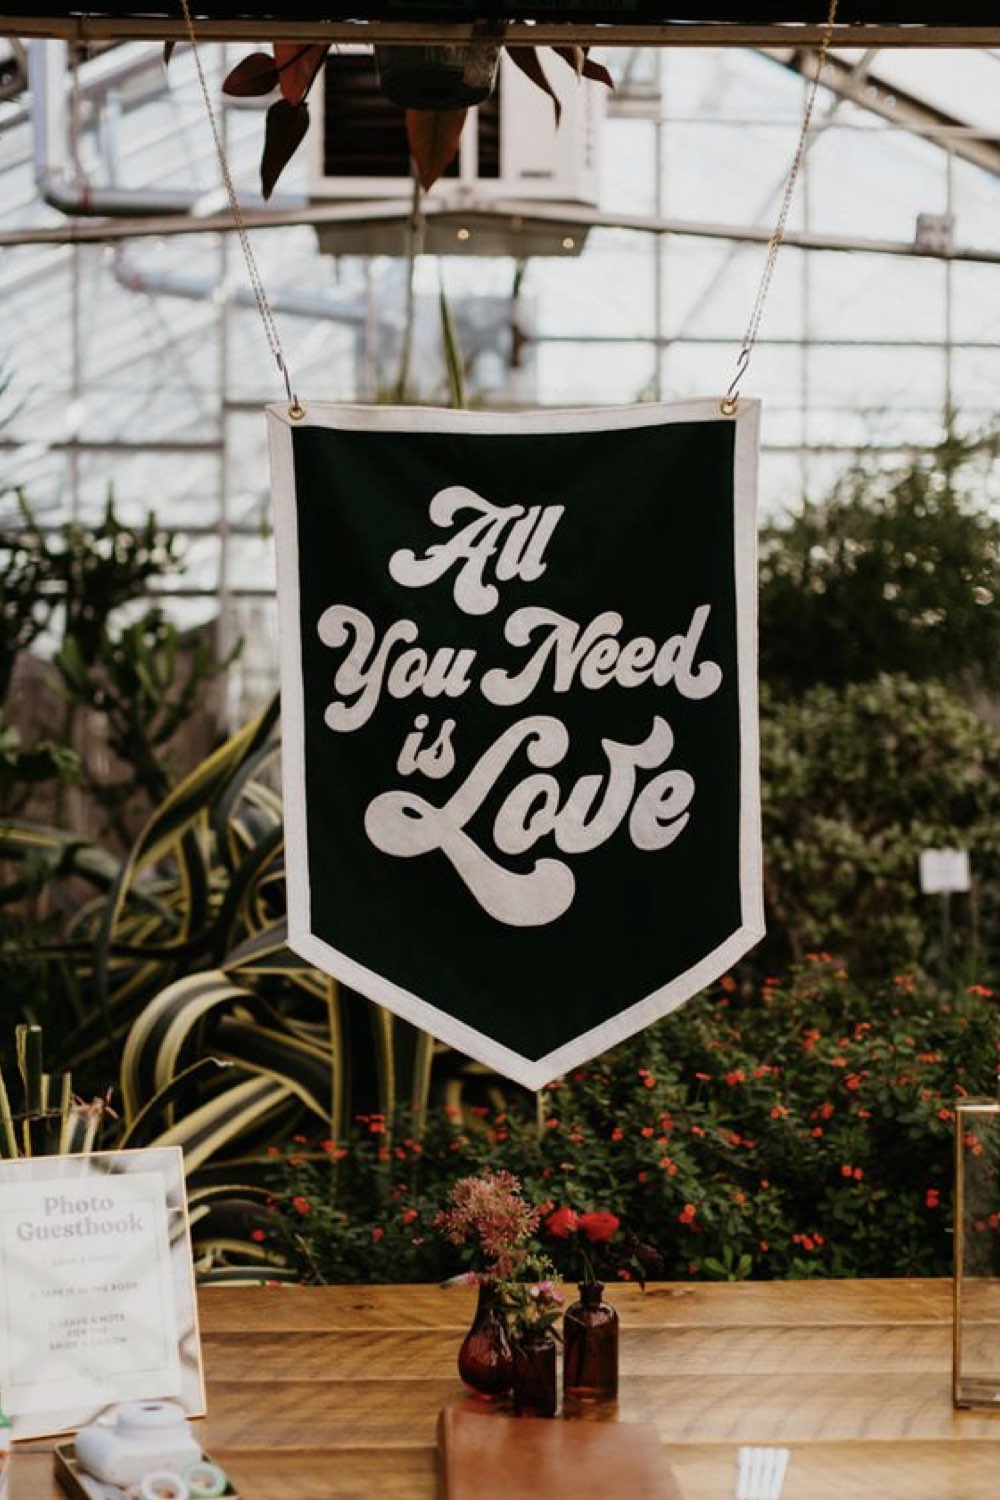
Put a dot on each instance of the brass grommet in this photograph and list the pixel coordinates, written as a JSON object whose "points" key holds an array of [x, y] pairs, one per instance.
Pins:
{"points": [[728, 405], [296, 410]]}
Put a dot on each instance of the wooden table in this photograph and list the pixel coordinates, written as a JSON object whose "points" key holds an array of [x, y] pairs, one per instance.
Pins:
{"points": [[332, 1393]]}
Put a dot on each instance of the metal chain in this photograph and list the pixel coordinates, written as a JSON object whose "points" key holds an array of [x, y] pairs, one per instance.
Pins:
{"points": [[730, 401], [295, 408]]}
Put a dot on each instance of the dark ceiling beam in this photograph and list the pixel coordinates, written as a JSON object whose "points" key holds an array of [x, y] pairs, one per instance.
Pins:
{"points": [[655, 23]]}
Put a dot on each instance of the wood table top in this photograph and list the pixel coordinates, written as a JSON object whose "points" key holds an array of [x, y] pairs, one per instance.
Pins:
{"points": [[332, 1393]]}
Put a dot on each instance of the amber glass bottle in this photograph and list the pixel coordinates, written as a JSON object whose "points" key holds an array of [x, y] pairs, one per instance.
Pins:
{"points": [[485, 1361], [590, 1342], [535, 1375]]}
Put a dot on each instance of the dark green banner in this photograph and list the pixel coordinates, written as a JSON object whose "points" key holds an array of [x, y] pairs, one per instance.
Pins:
{"points": [[519, 689]]}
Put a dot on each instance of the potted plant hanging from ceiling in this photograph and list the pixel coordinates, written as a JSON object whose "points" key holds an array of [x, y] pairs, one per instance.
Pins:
{"points": [[436, 78], [435, 85]]}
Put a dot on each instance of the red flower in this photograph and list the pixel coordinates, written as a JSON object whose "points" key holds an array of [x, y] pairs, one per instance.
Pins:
{"points": [[562, 1223], [258, 1235], [301, 1205], [933, 1198], [409, 1214], [687, 1214], [598, 1227], [378, 1232]]}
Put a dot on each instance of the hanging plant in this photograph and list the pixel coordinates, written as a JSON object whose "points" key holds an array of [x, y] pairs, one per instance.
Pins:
{"points": [[435, 85]]}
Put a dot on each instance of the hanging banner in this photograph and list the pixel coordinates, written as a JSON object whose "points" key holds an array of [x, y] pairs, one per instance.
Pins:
{"points": [[520, 715]]}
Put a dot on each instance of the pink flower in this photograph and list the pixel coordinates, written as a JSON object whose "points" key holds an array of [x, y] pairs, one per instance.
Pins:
{"points": [[490, 1209]]}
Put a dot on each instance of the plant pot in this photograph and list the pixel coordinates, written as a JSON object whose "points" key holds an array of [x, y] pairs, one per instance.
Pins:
{"points": [[534, 1377], [485, 1360], [590, 1339], [446, 77]]}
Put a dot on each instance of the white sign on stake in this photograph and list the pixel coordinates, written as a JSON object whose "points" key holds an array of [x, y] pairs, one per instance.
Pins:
{"points": [[944, 871]]}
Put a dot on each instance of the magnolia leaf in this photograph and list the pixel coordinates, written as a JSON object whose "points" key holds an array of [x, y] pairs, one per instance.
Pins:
{"points": [[584, 66], [168, 52], [286, 126], [433, 135], [256, 74], [527, 59], [297, 66]]}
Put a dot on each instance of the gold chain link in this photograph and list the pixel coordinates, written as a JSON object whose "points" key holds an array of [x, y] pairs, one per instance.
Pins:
{"points": [[730, 401], [295, 408]]}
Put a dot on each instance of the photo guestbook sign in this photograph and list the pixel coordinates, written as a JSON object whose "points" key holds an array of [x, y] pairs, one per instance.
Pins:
{"points": [[97, 1301], [520, 714]]}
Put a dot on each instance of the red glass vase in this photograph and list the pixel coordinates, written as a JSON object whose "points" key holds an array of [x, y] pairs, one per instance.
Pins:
{"points": [[534, 1377], [485, 1360], [590, 1343]]}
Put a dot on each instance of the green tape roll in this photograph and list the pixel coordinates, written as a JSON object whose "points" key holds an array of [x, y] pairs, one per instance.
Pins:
{"points": [[205, 1480]]}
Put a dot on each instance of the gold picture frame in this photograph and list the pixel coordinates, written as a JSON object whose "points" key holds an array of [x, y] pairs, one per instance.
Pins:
{"points": [[976, 1279]]}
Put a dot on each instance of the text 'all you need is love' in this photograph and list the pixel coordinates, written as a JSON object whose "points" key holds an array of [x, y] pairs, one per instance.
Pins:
{"points": [[509, 542]]}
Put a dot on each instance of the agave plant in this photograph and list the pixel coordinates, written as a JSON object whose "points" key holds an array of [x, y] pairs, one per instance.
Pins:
{"points": [[225, 1039]]}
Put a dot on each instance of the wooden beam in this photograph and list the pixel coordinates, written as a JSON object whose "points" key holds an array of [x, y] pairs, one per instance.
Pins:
{"points": [[103, 28]]}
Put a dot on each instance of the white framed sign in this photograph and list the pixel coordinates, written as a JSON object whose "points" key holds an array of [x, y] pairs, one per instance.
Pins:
{"points": [[97, 1301]]}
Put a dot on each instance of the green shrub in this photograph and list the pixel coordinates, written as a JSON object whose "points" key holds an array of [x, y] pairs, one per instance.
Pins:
{"points": [[894, 571], [856, 781], [801, 1129]]}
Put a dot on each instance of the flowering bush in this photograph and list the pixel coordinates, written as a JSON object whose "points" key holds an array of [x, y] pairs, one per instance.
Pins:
{"points": [[801, 1128]]}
